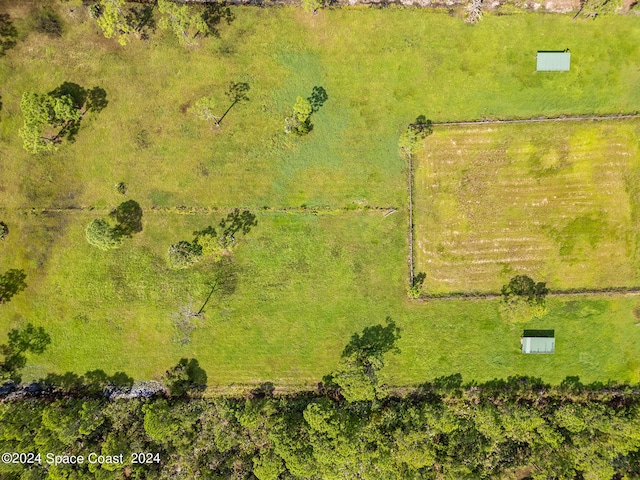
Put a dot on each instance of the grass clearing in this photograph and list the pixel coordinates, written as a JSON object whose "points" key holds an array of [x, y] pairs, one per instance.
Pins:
{"points": [[306, 283], [555, 201]]}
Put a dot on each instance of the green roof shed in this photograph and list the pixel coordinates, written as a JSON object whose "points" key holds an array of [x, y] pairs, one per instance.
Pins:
{"points": [[553, 61], [538, 341]]}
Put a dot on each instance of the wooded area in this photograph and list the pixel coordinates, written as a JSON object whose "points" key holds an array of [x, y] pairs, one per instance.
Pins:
{"points": [[519, 428]]}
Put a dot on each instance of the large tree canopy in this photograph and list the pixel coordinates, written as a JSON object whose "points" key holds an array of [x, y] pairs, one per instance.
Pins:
{"points": [[45, 118]]}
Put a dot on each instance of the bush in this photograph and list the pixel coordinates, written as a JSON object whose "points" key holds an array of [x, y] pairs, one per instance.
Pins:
{"points": [[523, 299], [4, 230], [184, 254], [300, 122], [101, 235], [212, 246]]}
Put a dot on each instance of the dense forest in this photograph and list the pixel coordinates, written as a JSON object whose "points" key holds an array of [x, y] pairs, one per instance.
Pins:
{"points": [[351, 426], [518, 428]]}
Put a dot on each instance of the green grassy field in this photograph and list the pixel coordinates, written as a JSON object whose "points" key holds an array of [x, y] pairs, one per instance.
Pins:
{"points": [[556, 201], [305, 283]]}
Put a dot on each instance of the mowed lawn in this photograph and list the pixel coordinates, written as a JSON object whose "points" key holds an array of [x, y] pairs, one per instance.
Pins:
{"points": [[303, 283], [555, 201]]}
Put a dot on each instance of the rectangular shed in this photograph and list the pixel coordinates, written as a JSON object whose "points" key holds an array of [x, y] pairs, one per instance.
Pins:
{"points": [[553, 61], [538, 341]]}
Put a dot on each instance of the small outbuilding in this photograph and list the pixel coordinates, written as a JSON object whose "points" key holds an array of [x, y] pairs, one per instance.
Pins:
{"points": [[538, 341], [552, 61]]}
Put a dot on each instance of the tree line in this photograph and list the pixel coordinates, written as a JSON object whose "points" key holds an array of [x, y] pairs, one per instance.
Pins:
{"points": [[351, 426]]}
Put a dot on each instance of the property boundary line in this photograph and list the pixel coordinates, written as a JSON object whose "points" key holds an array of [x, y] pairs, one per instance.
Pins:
{"points": [[184, 210], [574, 118], [410, 180], [608, 291]]}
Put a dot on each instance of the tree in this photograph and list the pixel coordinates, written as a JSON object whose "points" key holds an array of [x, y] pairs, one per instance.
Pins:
{"points": [[204, 108], [4, 231], [113, 21], [474, 11], [362, 358], [128, 218], [411, 137], [41, 112], [116, 19], [184, 254], [186, 377], [523, 299], [414, 290], [102, 235], [187, 23], [12, 282], [300, 122]]}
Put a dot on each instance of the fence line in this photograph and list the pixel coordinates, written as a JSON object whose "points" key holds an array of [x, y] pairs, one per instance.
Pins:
{"points": [[410, 179], [606, 292], [578, 118], [617, 291]]}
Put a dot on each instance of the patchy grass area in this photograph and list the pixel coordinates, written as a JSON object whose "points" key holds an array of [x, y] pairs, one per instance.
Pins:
{"points": [[305, 283], [557, 201]]}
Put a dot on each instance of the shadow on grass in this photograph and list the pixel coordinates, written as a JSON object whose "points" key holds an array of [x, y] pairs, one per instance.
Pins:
{"points": [[92, 100], [214, 14], [8, 33], [12, 282]]}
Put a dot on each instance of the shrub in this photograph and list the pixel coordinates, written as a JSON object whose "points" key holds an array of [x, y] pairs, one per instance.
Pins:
{"points": [[101, 235], [4, 230], [300, 122], [212, 246], [184, 254], [523, 299]]}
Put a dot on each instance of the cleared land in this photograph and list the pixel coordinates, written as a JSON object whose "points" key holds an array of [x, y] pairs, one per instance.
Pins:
{"points": [[558, 202], [305, 283]]}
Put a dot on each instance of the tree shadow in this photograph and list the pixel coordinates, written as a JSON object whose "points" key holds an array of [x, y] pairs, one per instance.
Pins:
{"points": [[93, 100], [374, 341], [317, 98], [213, 14], [8, 33], [26, 339], [96, 381], [128, 216], [12, 282], [237, 92], [419, 279], [238, 221], [226, 276], [186, 377], [142, 20], [263, 390]]}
